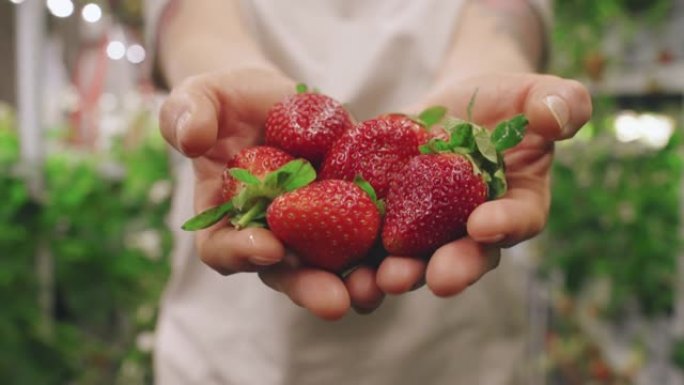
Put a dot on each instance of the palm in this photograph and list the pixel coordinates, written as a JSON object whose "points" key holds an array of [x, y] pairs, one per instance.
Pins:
{"points": [[521, 213]]}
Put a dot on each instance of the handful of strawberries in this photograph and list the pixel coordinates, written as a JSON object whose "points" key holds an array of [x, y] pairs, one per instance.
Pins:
{"points": [[333, 190]]}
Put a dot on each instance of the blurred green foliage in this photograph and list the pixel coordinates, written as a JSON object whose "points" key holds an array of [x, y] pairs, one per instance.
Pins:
{"points": [[580, 28], [615, 214], [108, 243]]}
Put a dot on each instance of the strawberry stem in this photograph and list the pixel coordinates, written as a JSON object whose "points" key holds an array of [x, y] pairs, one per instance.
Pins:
{"points": [[246, 219]]}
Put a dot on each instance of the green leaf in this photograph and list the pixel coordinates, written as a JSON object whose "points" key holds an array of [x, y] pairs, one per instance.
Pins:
{"points": [[471, 104], [251, 217], [208, 217], [425, 149], [368, 189], [244, 176], [509, 133], [485, 145], [438, 145], [497, 185], [461, 135], [365, 186], [432, 115], [301, 88], [291, 176]]}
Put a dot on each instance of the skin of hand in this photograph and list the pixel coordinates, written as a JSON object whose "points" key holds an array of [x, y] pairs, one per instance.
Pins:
{"points": [[212, 116], [556, 108], [209, 118]]}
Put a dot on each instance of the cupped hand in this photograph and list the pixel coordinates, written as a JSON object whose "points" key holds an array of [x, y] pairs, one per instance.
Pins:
{"points": [[556, 109], [209, 118]]}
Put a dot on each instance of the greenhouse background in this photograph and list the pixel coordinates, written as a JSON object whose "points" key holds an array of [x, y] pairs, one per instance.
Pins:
{"points": [[85, 181]]}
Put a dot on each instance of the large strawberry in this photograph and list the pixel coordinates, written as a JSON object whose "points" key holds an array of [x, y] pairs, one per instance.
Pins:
{"points": [[259, 160], [378, 148], [330, 224], [306, 124], [251, 180], [430, 204]]}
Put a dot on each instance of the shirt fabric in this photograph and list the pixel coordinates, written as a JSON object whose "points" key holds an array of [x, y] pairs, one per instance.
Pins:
{"points": [[375, 56]]}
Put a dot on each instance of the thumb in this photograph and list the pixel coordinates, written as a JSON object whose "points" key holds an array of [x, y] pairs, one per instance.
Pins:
{"points": [[206, 107], [555, 107]]}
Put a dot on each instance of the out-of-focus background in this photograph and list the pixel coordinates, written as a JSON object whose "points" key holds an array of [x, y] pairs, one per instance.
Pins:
{"points": [[85, 186]]}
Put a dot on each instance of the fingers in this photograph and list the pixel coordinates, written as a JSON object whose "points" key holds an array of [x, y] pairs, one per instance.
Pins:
{"points": [[321, 292], [189, 117], [398, 275], [210, 106], [557, 108], [521, 213], [518, 216], [363, 290], [229, 251], [457, 265]]}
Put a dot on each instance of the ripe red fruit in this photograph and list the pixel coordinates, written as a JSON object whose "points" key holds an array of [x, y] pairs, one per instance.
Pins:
{"points": [[259, 161], [306, 124], [376, 150], [430, 204], [330, 224]]}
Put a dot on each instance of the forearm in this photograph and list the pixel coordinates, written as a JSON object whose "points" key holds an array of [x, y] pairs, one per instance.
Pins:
{"points": [[495, 36], [203, 36]]}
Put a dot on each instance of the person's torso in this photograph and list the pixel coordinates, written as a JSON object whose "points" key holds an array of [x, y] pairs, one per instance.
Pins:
{"points": [[374, 56]]}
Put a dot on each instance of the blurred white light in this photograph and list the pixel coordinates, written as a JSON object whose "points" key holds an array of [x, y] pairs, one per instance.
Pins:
{"points": [[116, 50], [627, 127], [652, 129], [656, 129], [17, 1], [60, 8], [135, 54], [91, 13]]}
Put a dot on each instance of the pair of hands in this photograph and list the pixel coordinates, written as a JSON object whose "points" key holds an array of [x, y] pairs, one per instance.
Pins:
{"points": [[212, 116]]}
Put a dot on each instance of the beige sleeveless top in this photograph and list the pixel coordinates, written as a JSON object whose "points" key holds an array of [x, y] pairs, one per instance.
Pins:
{"points": [[374, 56]]}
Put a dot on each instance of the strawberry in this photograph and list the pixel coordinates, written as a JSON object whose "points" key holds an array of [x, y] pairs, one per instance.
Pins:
{"points": [[251, 180], [306, 124], [330, 224], [378, 148], [259, 160], [430, 204]]}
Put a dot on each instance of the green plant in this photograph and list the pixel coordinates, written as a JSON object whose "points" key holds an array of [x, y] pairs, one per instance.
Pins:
{"points": [[102, 221], [615, 215]]}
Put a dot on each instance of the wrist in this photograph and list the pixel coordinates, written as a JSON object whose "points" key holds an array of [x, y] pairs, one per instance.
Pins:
{"points": [[200, 55]]}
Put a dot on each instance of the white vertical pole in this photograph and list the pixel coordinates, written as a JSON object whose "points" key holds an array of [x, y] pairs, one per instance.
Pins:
{"points": [[30, 32]]}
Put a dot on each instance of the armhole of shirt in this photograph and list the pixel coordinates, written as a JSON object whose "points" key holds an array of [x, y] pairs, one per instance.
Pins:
{"points": [[543, 10], [154, 11]]}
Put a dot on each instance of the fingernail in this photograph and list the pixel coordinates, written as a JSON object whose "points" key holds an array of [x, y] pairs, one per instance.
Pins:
{"points": [[560, 111], [492, 238], [182, 123], [260, 261]]}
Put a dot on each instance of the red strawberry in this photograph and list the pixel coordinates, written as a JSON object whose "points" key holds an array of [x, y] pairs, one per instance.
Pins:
{"points": [[330, 224], [306, 124], [377, 149], [259, 160], [251, 180], [430, 204]]}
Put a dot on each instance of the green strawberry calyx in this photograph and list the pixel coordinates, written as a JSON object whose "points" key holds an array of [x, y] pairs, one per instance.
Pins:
{"points": [[368, 189], [482, 148], [430, 116], [248, 207]]}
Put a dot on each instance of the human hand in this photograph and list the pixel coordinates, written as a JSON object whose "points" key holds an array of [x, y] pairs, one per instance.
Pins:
{"points": [[556, 109], [211, 117]]}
